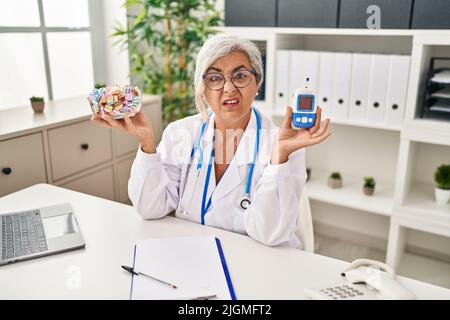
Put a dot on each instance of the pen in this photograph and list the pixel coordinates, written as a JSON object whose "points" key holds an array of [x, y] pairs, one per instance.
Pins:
{"points": [[204, 297], [137, 273]]}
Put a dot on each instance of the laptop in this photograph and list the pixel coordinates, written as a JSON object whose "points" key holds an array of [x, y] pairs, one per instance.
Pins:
{"points": [[38, 232]]}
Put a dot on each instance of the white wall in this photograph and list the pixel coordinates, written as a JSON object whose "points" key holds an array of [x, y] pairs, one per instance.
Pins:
{"points": [[117, 64], [220, 5]]}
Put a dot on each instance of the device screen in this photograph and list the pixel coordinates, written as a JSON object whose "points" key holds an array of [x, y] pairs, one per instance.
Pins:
{"points": [[306, 103], [57, 226]]}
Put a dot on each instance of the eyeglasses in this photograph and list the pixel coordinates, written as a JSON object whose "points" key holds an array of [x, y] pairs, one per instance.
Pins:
{"points": [[240, 79]]}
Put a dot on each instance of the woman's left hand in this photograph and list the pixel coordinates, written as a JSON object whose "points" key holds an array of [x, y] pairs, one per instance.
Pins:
{"points": [[290, 140]]}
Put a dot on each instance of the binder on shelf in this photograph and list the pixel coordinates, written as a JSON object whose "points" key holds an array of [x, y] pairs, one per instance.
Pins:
{"points": [[341, 85], [304, 64], [282, 75], [397, 89], [195, 265], [325, 88], [379, 74], [359, 86]]}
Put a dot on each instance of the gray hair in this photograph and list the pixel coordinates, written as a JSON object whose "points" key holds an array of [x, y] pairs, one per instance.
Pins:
{"points": [[218, 47]]}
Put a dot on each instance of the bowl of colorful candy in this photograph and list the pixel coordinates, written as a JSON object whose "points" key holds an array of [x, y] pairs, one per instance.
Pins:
{"points": [[115, 101]]}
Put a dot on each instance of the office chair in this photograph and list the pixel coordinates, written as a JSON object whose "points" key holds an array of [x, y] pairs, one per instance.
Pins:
{"points": [[305, 231]]}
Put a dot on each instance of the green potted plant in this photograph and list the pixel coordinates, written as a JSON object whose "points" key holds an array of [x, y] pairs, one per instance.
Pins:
{"points": [[99, 85], [163, 38], [38, 104], [442, 188], [335, 180], [369, 186]]}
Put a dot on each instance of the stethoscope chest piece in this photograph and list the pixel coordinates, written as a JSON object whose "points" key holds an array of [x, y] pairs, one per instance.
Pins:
{"points": [[244, 201]]}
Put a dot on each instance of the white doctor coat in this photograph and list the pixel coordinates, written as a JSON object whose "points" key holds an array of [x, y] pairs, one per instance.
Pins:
{"points": [[168, 181]]}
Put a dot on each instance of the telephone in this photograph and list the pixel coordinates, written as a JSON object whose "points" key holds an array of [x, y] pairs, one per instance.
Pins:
{"points": [[363, 282]]}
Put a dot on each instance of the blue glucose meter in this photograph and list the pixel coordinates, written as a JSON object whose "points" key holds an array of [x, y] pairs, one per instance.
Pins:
{"points": [[304, 108]]}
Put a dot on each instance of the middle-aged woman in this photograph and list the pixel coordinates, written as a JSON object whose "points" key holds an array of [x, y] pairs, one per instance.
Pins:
{"points": [[228, 166]]}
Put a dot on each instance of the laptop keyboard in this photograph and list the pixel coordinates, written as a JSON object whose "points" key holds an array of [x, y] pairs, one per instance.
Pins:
{"points": [[22, 234]]}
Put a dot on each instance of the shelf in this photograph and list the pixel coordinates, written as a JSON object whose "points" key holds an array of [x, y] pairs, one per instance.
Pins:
{"points": [[351, 194], [56, 112], [420, 204], [429, 131], [263, 34], [425, 269], [339, 31], [345, 250], [367, 125], [411, 265], [363, 124], [433, 39]]}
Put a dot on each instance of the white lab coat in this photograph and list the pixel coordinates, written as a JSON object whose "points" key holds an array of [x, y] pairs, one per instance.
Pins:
{"points": [[167, 181]]}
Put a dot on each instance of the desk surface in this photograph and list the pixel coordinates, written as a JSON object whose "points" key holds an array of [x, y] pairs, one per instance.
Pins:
{"points": [[110, 230]]}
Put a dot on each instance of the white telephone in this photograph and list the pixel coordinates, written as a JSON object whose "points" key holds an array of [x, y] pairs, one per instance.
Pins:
{"points": [[364, 283]]}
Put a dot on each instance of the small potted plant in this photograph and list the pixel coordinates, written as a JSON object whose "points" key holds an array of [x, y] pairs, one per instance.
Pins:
{"points": [[335, 180], [442, 188], [369, 186], [99, 85], [37, 103]]}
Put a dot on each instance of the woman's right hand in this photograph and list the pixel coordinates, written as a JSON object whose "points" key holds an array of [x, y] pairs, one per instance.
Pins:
{"points": [[138, 126]]}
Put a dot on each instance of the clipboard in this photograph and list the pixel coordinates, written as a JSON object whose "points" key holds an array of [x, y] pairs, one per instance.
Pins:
{"points": [[196, 265]]}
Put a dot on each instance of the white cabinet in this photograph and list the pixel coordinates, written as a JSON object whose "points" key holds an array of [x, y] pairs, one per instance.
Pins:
{"points": [[100, 184], [126, 143], [79, 146], [22, 163], [123, 174], [62, 146]]}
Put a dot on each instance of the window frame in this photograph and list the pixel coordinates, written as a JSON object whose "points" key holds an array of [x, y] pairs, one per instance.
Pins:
{"points": [[95, 30]]}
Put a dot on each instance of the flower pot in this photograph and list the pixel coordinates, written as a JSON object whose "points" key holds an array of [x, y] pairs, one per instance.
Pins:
{"points": [[442, 196], [368, 191], [334, 183], [38, 106]]}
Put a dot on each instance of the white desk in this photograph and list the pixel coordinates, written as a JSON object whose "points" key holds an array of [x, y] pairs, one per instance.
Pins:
{"points": [[110, 230]]}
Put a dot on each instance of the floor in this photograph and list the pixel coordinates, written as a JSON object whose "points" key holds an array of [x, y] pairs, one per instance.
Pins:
{"points": [[412, 265]]}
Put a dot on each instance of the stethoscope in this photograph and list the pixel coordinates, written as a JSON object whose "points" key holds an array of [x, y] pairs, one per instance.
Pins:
{"points": [[245, 200]]}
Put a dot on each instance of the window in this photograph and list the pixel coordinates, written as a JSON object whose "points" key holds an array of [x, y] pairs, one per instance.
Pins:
{"points": [[47, 49]]}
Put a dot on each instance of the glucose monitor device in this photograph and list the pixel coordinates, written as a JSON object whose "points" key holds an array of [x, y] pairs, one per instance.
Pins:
{"points": [[304, 107]]}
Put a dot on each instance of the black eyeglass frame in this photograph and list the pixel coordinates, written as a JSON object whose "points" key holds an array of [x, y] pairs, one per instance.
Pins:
{"points": [[231, 79]]}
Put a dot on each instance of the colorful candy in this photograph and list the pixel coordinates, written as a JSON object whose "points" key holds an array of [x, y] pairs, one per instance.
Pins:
{"points": [[116, 101]]}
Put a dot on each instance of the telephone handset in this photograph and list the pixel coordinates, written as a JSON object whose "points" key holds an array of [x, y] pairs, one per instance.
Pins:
{"points": [[363, 282]]}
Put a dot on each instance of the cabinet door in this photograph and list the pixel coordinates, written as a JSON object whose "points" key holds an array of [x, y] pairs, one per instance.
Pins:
{"points": [[22, 163], [100, 184], [123, 174], [79, 146], [126, 143]]}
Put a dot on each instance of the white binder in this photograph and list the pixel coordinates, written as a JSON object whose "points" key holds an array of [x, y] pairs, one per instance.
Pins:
{"points": [[325, 88], [379, 73], [341, 85], [282, 74], [304, 64], [397, 89], [359, 86]]}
